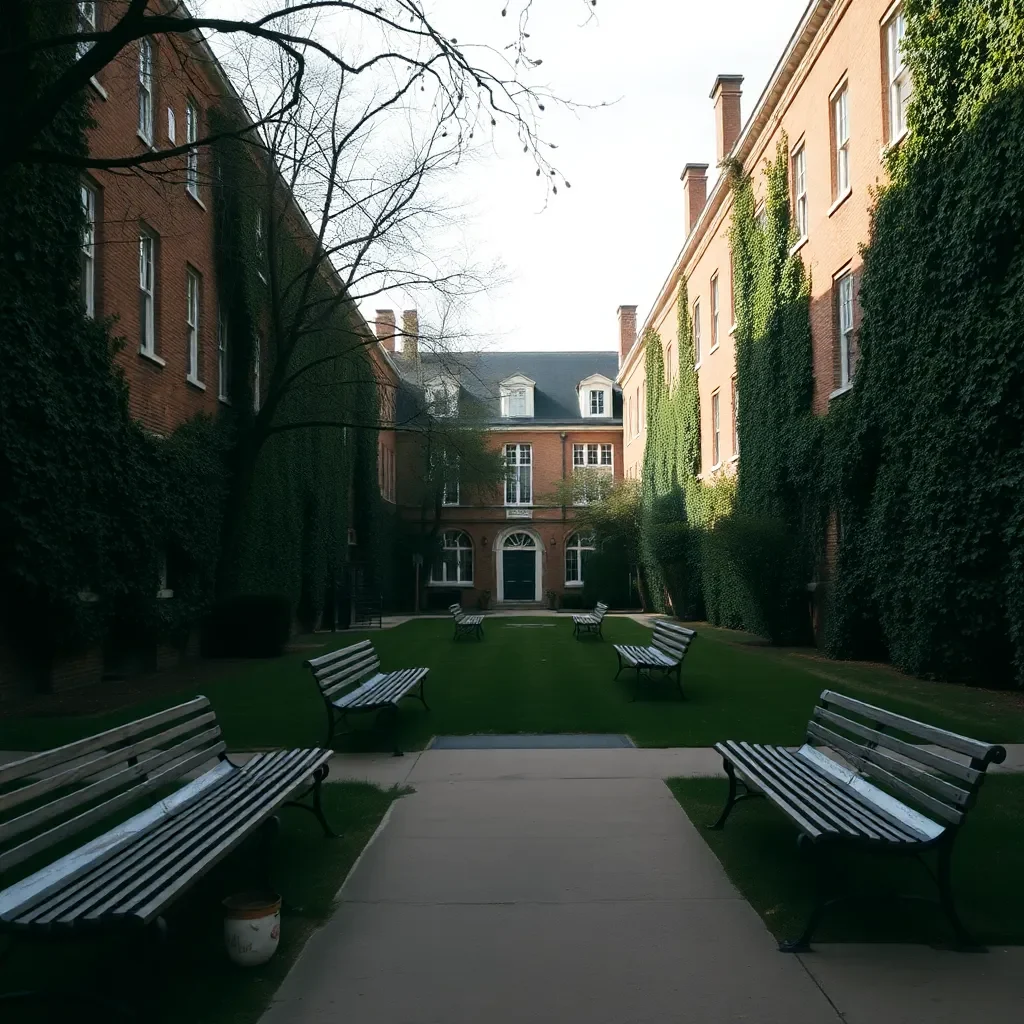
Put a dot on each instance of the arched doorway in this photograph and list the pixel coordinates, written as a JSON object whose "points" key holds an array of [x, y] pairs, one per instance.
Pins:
{"points": [[519, 569]]}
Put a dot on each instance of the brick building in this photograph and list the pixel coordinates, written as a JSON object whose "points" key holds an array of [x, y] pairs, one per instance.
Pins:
{"points": [[839, 92], [554, 418]]}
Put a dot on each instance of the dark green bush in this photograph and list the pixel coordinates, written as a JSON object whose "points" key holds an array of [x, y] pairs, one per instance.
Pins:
{"points": [[248, 626]]}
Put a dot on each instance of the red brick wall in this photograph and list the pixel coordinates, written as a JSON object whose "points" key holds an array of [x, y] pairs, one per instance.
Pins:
{"points": [[159, 395]]}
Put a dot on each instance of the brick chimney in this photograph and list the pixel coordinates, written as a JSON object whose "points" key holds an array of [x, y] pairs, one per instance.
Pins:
{"points": [[695, 193], [627, 331], [385, 329], [726, 95], [410, 334]]}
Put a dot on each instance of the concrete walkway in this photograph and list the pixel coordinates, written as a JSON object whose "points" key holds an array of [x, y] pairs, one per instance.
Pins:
{"points": [[568, 887]]}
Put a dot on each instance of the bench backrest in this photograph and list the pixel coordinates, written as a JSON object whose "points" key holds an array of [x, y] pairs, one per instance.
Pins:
{"points": [[600, 610], [52, 796], [338, 670], [456, 610], [671, 638], [886, 748]]}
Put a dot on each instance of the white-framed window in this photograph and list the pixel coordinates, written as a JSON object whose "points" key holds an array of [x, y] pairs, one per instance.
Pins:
{"points": [[714, 312], [735, 418], [696, 333], [147, 288], [901, 85], [192, 157], [89, 250], [257, 359], [223, 367], [761, 216], [442, 398], [800, 192], [192, 323], [85, 22], [518, 474], [454, 563], [841, 139], [517, 402], [449, 479], [716, 428], [593, 468], [146, 90], [578, 549], [597, 402], [844, 302]]}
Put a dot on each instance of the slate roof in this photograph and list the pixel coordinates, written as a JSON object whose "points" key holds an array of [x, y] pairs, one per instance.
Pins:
{"points": [[480, 374]]}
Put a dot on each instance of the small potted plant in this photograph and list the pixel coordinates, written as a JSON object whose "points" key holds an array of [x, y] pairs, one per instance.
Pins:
{"points": [[552, 597], [484, 600]]}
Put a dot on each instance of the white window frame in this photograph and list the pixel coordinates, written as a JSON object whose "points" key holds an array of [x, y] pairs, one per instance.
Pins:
{"points": [[442, 399], [85, 22], [576, 544], [518, 457], [147, 293], [715, 310], [192, 156], [597, 398], [845, 312], [716, 427], [451, 540], [696, 338], [591, 457], [192, 289], [89, 250], [800, 191], [901, 84], [517, 403], [450, 494], [222, 356], [146, 90], [841, 138]]}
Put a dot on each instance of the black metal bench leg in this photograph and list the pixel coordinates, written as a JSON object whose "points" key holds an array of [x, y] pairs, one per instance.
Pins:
{"points": [[422, 697], [964, 939], [621, 666], [821, 866], [730, 801], [316, 809]]}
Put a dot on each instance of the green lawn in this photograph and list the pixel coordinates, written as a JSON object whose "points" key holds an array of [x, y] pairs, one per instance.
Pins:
{"points": [[190, 978], [758, 850], [541, 680]]}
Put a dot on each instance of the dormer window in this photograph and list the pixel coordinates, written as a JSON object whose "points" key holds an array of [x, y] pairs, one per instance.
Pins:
{"points": [[442, 398], [595, 396], [517, 398]]}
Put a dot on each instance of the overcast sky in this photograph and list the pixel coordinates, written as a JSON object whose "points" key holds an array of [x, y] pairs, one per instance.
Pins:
{"points": [[612, 238]]}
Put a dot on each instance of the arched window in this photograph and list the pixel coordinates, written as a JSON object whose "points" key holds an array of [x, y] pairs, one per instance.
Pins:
{"points": [[578, 549], [454, 563], [519, 540]]}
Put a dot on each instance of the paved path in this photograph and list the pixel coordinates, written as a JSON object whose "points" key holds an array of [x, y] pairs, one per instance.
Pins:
{"points": [[568, 887]]}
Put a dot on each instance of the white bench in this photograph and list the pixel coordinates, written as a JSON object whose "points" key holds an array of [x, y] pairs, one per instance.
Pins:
{"points": [[466, 625], [590, 623], [130, 874], [358, 667], [669, 645]]}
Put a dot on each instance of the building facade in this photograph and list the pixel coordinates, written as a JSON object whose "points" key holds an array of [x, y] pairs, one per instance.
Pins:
{"points": [[839, 95], [554, 421]]}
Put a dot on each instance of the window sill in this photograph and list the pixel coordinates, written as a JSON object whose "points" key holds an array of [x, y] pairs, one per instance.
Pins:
{"points": [[839, 202], [714, 348], [800, 244], [224, 398], [716, 467], [148, 142], [152, 357], [839, 392], [99, 88], [165, 594], [734, 458], [195, 382], [577, 583], [432, 583], [195, 198], [696, 365], [894, 144], [450, 504]]}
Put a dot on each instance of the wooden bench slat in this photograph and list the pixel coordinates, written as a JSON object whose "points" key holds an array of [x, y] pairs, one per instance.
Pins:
{"points": [[987, 752], [343, 652], [947, 765], [74, 825], [868, 760], [350, 672], [34, 764]]}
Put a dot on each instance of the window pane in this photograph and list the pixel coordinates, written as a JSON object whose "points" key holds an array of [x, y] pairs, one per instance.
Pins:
{"points": [[525, 494], [606, 455], [577, 455], [572, 565]]}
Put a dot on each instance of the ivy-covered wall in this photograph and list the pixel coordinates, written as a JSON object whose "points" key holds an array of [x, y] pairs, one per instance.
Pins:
{"points": [[89, 503]]}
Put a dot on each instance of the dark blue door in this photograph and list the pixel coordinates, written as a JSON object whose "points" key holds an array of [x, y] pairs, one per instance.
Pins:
{"points": [[520, 573]]}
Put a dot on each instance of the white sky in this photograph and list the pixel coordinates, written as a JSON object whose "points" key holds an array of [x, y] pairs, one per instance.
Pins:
{"points": [[611, 239]]}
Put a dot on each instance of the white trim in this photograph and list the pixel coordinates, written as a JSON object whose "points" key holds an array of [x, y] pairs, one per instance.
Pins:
{"points": [[792, 252], [732, 330], [841, 391], [716, 467], [715, 348], [152, 357], [467, 586], [99, 88], [839, 202], [195, 382], [163, 595], [735, 457], [195, 199], [499, 547]]}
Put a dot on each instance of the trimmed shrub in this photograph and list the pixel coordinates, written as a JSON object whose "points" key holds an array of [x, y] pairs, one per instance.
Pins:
{"points": [[248, 626]]}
